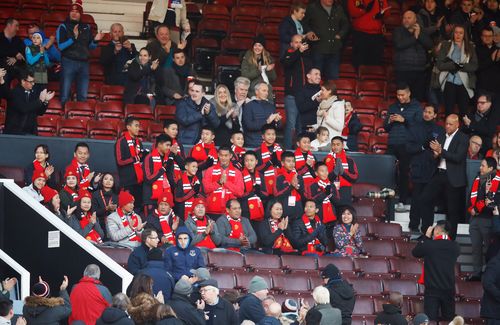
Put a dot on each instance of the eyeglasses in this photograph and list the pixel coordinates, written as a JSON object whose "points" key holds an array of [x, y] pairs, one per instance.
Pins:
{"points": [[482, 103], [30, 81], [477, 144], [153, 238]]}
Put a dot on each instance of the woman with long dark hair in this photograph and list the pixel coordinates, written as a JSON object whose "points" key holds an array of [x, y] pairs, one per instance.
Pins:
{"points": [[41, 163], [105, 199], [346, 234], [88, 225], [274, 231]]}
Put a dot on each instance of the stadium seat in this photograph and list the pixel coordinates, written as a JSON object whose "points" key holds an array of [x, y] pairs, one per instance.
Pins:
{"points": [[366, 122], [344, 264], [371, 88], [363, 319], [54, 108], [213, 29], [225, 261], [345, 87], [94, 90], [53, 19], [9, 6], [274, 15], [233, 47], [243, 279], [96, 72], [372, 72], [378, 145], [13, 172], [246, 13], [118, 254], [296, 263], [225, 279], [404, 249], [204, 52], [373, 267], [379, 128], [154, 130], [378, 302], [71, 128], [102, 129], [405, 287], [363, 306], [215, 11], [406, 268], [469, 310], [263, 262], [109, 92], [270, 32], [290, 283], [347, 70], [140, 111], [164, 112], [416, 305], [469, 291], [109, 110], [80, 110], [59, 5], [227, 69], [243, 30], [361, 189], [367, 105], [47, 125], [384, 248], [366, 287], [383, 230]]}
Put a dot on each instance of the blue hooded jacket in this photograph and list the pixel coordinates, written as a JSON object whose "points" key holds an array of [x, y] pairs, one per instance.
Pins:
{"points": [[180, 261]]}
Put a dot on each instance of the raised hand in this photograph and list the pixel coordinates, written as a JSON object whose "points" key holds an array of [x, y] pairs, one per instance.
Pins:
{"points": [[64, 283], [70, 210], [9, 283], [93, 218]]}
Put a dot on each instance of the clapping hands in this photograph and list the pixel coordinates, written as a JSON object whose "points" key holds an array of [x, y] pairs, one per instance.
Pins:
{"points": [[46, 96]]}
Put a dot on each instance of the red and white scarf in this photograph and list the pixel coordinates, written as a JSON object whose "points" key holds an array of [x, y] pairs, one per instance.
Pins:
{"points": [[201, 226], [237, 156], [135, 221], [345, 130], [134, 146], [479, 205], [81, 175], [311, 245], [93, 236], [300, 162], [160, 185], [72, 192], [165, 225], [255, 206], [330, 163], [288, 178], [216, 202], [270, 173], [37, 166], [236, 230], [177, 168], [326, 206], [202, 151], [282, 243], [187, 186]]}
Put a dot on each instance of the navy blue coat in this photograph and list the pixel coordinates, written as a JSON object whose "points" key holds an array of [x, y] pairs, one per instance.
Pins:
{"points": [[354, 126], [287, 30], [251, 309], [179, 261], [255, 114], [190, 120], [138, 259], [162, 280], [307, 107], [398, 132], [422, 164]]}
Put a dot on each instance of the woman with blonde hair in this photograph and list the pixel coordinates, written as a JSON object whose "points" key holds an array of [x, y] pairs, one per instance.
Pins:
{"points": [[258, 66], [228, 113], [140, 309], [331, 110]]}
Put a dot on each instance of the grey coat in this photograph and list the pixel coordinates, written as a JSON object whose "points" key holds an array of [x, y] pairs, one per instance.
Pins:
{"points": [[214, 234], [410, 53], [329, 315], [117, 232], [225, 230]]}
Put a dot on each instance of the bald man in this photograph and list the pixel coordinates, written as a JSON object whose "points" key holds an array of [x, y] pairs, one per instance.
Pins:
{"points": [[449, 179], [410, 54]]}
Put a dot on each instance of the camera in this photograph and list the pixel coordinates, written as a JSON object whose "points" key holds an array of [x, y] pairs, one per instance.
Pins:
{"points": [[491, 196]]}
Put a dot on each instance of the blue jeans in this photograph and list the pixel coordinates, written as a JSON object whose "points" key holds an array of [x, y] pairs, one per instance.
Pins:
{"points": [[74, 70], [292, 126], [329, 65]]}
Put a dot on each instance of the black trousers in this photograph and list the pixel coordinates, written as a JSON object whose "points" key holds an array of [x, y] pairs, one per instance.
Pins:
{"points": [[367, 49], [439, 187], [458, 95], [416, 81], [442, 301], [399, 150], [415, 211]]}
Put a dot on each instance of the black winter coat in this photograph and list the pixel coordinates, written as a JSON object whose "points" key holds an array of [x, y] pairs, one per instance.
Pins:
{"points": [[390, 316], [491, 286], [138, 259], [251, 309], [410, 53], [185, 311], [221, 313], [398, 132], [342, 297], [114, 316], [307, 107], [47, 311], [170, 321], [354, 126], [162, 280], [484, 126], [295, 64]]}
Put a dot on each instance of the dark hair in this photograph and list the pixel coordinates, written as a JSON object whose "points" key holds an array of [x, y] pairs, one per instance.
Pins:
{"points": [[296, 6], [141, 283], [45, 149], [230, 202], [313, 68], [114, 188], [162, 138], [433, 108], [444, 225], [236, 132], [321, 129], [349, 208], [24, 74], [302, 135], [488, 96], [178, 50], [491, 162], [402, 86], [10, 20], [287, 154], [32, 25], [196, 82], [250, 153], [78, 211], [83, 145], [5, 307], [157, 28], [330, 85], [146, 233], [468, 46], [189, 160], [310, 200], [266, 127], [233, 296], [130, 119], [169, 122], [487, 29], [270, 205], [338, 137], [145, 49], [224, 148], [318, 165], [208, 128]]}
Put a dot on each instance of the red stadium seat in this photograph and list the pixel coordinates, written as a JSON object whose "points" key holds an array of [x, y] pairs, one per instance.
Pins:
{"points": [[243, 30], [235, 46], [363, 306], [225, 279], [109, 110], [416, 305], [59, 5], [469, 310], [55, 107], [372, 72], [406, 268], [102, 129], [270, 32], [225, 261], [80, 110], [347, 70], [9, 6], [373, 267], [385, 230], [109, 92], [344, 264], [378, 145], [164, 112], [96, 72], [263, 262], [118, 254], [404, 249], [345, 87], [469, 291], [154, 130], [47, 125], [290, 283], [140, 111], [13, 172], [405, 287], [368, 105], [215, 11], [366, 122], [245, 14], [361, 189], [204, 51], [371, 88], [379, 127], [384, 248], [72, 128], [363, 319], [295, 263], [213, 28], [94, 91], [366, 287], [274, 15]]}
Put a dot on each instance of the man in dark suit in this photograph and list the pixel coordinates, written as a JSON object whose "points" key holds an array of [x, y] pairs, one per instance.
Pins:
{"points": [[24, 103], [449, 179]]}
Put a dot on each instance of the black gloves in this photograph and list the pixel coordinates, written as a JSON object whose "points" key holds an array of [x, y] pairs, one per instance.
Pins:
{"points": [[209, 162], [275, 160]]}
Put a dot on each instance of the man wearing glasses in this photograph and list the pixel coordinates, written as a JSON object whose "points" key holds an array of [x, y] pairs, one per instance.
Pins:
{"points": [[482, 122], [24, 103]]}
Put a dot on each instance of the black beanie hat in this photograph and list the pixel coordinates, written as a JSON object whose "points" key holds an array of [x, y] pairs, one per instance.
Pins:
{"points": [[259, 39], [330, 272]]}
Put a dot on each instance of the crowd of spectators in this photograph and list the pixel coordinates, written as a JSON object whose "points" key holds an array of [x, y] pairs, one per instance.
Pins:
{"points": [[237, 190]]}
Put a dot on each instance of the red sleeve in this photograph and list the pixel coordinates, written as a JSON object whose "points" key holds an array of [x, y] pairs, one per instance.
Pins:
{"points": [[120, 160], [208, 184], [236, 187]]}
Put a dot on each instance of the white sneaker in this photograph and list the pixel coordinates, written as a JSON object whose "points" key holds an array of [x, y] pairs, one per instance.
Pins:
{"points": [[399, 207]]}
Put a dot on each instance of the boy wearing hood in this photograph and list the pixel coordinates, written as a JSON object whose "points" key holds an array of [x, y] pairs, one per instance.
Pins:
{"points": [[39, 308], [183, 257], [341, 293]]}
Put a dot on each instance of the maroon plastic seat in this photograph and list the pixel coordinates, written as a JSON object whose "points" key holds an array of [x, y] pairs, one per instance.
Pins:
{"points": [[469, 310], [405, 287], [367, 287], [47, 125], [344, 264], [109, 110], [154, 130], [361, 189], [363, 319], [140, 111], [280, 297], [371, 88], [347, 70], [372, 72], [363, 306], [225, 279], [274, 15], [215, 11], [15, 173], [290, 283], [366, 122], [295, 263], [373, 267], [55, 107], [378, 302], [263, 262], [102, 129], [346, 87], [225, 261], [118, 254], [383, 230], [81, 110], [109, 92], [72, 128], [404, 249], [469, 291], [406, 268], [378, 144], [96, 72], [383, 248], [246, 13]]}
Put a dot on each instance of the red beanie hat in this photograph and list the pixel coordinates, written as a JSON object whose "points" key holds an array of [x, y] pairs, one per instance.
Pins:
{"points": [[77, 5], [124, 198], [38, 174], [84, 193], [70, 171], [163, 198], [199, 200], [48, 193]]}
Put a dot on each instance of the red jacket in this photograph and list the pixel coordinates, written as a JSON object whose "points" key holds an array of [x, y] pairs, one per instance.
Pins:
{"points": [[364, 20], [88, 299]]}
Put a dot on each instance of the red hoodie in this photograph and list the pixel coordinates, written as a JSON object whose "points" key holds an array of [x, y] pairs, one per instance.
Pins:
{"points": [[88, 299]]}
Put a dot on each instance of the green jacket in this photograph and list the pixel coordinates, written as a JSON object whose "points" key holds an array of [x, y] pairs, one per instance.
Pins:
{"points": [[252, 72]]}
